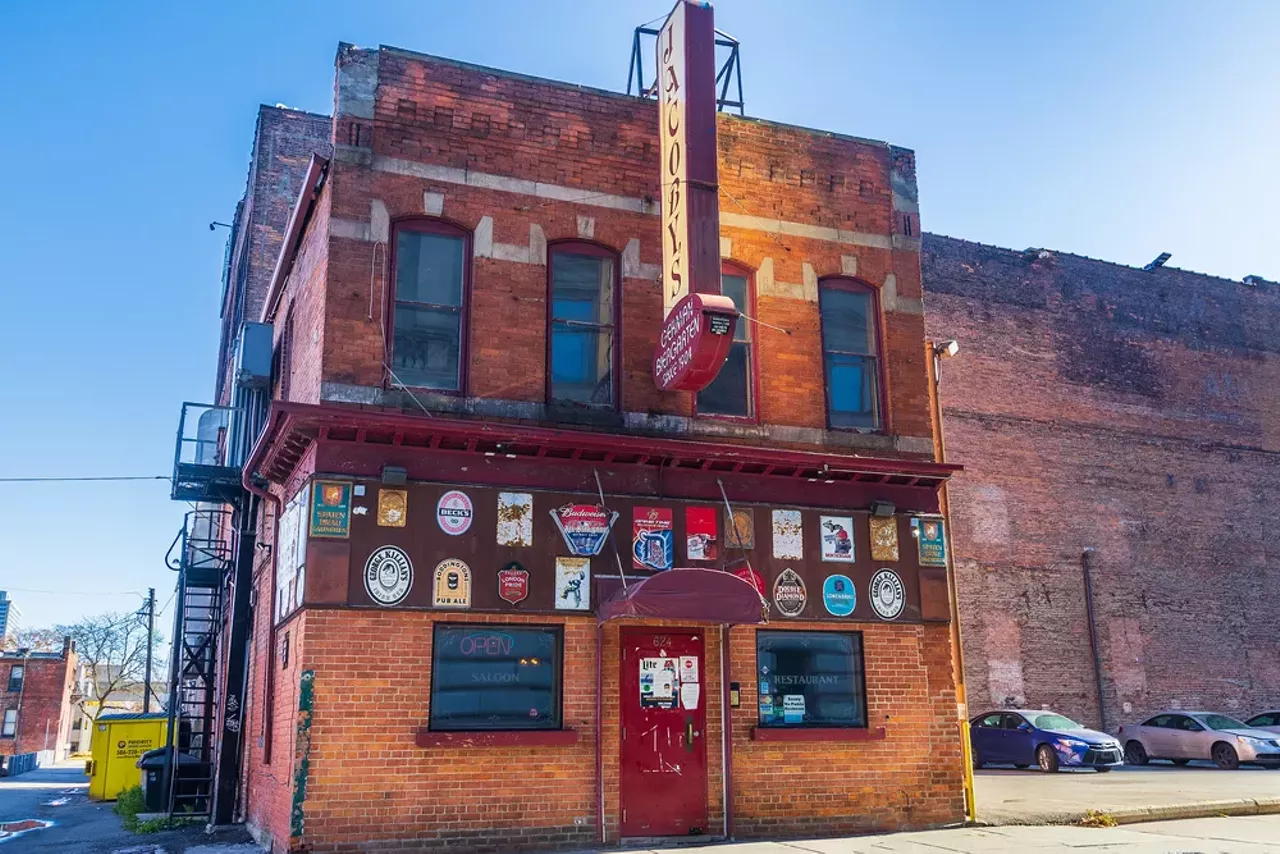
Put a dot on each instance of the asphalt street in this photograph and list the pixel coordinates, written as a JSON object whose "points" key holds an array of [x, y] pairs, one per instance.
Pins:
{"points": [[1034, 797], [60, 795]]}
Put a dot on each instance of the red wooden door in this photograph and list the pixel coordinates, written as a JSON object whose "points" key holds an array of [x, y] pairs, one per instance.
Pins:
{"points": [[664, 733]]}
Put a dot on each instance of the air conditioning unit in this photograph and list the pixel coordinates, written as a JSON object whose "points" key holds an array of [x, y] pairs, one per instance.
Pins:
{"points": [[252, 364]]}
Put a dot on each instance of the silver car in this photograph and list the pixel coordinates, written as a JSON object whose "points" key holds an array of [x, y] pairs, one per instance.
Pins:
{"points": [[1270, 721], [1183, 736]]}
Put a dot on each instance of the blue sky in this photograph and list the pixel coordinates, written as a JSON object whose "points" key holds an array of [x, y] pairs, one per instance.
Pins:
{"points": [[1112, 129]]}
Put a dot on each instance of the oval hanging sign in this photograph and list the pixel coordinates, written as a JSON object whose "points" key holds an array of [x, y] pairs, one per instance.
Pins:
{"points": [[694, 342]]}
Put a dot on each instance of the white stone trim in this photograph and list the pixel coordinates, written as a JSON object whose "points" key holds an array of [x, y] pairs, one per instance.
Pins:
{"points": [[577, 195]]}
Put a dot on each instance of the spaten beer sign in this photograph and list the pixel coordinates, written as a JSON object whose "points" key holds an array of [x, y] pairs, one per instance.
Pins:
{"points": [[696, 335]]}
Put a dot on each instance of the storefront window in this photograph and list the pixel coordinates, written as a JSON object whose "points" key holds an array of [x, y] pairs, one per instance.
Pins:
{"points": [[811, 679], [495, 678]]}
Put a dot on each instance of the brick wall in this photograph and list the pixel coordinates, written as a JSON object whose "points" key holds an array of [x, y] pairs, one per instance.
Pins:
{"points": [[368, 783], [44, 707], [1096, 406], [421, 136]]}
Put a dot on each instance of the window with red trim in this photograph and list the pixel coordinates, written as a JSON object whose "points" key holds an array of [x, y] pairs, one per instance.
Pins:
{"points": [[850, 354], [583, 307], [428, 340], [732, 392]]}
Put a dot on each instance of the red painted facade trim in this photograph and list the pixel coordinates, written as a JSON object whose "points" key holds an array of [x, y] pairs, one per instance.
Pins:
{"points": [[293, 426], [817, 734], [528, 738]]}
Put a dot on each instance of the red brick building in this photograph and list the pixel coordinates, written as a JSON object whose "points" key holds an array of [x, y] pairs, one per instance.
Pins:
{"points": [[1123, 424], [35, 700], [495, 601]]}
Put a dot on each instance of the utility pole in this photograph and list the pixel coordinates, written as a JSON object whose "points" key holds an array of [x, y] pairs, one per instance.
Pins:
{"points": [[151, 629]]}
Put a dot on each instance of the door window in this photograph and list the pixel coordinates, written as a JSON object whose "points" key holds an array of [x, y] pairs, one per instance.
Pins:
{"points": [[991, 721], [1014, 722]]}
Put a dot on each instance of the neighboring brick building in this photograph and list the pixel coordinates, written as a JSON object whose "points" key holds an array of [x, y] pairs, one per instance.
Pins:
{"points": [[1129, 415], [465, 313], [35, 700], [283, 141]]}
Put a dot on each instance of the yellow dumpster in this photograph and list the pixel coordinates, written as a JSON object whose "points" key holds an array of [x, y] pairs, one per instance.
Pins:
{"points": [[118, 740]]}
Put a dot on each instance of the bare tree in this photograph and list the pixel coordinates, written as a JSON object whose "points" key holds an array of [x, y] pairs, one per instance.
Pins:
{"points": [[39, 640], [112, 648]]}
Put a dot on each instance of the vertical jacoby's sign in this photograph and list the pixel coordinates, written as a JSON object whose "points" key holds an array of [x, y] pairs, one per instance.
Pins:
{"points": [[695, 335]]}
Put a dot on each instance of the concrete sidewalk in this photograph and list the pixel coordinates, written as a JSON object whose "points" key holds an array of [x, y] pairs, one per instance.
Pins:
{"points": [[1256, 835]]}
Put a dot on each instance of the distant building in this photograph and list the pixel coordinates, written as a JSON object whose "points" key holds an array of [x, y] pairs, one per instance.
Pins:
{"points": [[125, 697], [10, 619], [35, 700]]}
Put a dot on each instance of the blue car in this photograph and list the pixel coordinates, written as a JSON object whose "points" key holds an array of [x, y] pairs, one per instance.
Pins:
{"points": [[1024, 737]]}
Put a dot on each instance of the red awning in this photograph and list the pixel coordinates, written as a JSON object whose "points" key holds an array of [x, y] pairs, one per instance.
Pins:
{"points": [[706, 595]]}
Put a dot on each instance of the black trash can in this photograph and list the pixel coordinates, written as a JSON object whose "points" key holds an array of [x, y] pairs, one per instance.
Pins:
{"points": [[155, 776]]}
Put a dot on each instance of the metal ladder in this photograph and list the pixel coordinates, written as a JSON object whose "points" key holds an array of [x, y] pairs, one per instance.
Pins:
{"points": [[208, 555]]}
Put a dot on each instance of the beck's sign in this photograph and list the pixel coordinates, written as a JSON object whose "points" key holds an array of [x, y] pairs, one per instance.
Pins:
{"points": [[695, 339]]}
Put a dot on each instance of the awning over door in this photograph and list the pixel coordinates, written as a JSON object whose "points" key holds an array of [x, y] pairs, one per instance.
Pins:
{"points": [[706, 595]]}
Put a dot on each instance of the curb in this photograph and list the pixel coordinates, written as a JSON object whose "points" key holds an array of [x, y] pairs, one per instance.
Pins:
{"points": [[1199, 809], [1137, 815]]}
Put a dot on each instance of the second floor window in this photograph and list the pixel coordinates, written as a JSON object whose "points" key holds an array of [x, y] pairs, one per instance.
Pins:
{"points": [[731, 393], [15, 678], [850, 354], [583, 344], [428, 330]]}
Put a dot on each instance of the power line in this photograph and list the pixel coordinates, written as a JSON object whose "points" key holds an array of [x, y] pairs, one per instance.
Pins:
{"points": [[75, 592], [81, 479]]}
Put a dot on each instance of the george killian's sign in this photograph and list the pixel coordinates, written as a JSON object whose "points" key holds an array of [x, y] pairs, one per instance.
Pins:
{"points": [[698, 322]]}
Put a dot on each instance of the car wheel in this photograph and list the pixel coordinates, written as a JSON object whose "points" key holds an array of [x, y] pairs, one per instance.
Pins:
{"points": [[1102, 769], [1047, 759], [1179, 761], [1225, 756], [1135, 753]]}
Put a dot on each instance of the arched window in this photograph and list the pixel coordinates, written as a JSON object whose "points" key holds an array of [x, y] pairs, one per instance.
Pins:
{"points": [[732, 393], [427, 337], [851, 354], [582, 344]]}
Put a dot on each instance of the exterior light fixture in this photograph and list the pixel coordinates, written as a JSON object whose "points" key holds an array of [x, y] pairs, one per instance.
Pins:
{"points": [[946, 349], [882, 508]]}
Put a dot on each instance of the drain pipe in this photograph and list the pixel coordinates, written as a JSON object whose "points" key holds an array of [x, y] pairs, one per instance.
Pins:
{"points": [[1086, 563], [600, 831]]}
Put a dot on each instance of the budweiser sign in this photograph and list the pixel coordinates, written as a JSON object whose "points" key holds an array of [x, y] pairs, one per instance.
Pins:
{"points": [[585, 527]]}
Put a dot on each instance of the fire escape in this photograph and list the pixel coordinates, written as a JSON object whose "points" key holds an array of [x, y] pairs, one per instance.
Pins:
{"points": [[213, 556]]}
